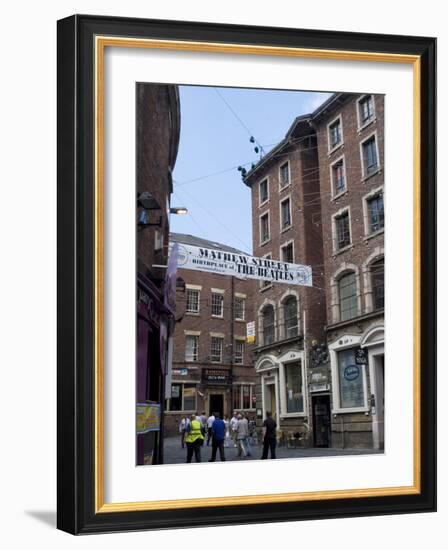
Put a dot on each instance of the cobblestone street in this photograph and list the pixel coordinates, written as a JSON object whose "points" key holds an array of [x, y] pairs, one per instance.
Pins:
{"points": [[174, 454]]}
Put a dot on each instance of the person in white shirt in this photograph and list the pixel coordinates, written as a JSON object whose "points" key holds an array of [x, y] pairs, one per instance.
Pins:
{"points": [[233, 428], [210, 421]]}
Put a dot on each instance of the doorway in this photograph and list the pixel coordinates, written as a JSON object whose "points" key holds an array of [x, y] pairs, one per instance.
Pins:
{"points": [[216, 404], [321, 420], [378, 405], [270, 400]]}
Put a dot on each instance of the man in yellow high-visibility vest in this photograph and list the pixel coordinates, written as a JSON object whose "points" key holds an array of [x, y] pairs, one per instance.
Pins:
{"points": [[194, 439]]}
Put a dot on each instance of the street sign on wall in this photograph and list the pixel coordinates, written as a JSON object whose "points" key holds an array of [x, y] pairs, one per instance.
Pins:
{"points": [[242, 265]]}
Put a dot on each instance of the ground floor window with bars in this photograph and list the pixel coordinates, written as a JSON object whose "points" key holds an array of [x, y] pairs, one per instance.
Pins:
{"points": [[243, 397], [216, 347], [183, 397]]}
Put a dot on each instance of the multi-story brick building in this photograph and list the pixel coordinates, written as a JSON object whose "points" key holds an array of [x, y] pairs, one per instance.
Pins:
{"points": [[317, 199], [290, 318], [212, 368], [158, 128], [350, 137]]}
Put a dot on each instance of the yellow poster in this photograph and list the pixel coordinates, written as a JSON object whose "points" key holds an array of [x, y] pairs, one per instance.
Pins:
{"points": [[148, 417]]}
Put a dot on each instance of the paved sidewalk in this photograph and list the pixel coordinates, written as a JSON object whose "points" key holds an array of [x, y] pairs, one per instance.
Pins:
{"points": [[174, 454]]}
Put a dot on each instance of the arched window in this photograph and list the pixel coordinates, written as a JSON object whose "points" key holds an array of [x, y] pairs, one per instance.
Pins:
{"points": [[268, 325], [348, 300], [377, 282], [290, 317]]}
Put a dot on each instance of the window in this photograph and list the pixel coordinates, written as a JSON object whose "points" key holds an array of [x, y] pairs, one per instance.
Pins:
{"points": [[216, 349], [191, 348], [264, 228], [284, 174], [264, 191], [348, 300], [335, 133], [192, 300], [183, 397], [238, 356], [351, 380], [377, 279], [290, 315], [369, 156], [288, 253], [366, 110], [342, 223], [293, 387], [266, 283], [243, 397], [268, 325], [285, 214], [338, 177], [217, 304], [375, 209], [239, 308]]}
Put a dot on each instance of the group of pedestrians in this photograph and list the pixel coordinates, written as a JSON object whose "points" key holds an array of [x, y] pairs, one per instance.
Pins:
{"points": [[221, 433]]}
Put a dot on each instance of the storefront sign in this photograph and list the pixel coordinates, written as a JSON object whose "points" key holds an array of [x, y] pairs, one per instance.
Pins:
{"points": [[360, 356], [319, 387], [242, 265], [250, 332], [351, 372], [216, 376], [148, 417]]}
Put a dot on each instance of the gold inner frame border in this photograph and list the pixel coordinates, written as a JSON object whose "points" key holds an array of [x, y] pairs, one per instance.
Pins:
{"points": [[101, 42]]}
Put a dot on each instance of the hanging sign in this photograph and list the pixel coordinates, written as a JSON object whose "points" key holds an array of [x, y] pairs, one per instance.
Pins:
{"points": [[243, 266], [250, 332]]}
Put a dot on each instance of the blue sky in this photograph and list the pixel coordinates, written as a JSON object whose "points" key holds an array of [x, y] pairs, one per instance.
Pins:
{"points": [[213, 143]]}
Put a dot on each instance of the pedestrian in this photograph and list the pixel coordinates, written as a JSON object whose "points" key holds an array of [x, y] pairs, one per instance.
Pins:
{"points": [[218, 436], [194, 439], [242, 436], [210, 421], [182, 428], [233, 427], [227, 437], [269, 436]]}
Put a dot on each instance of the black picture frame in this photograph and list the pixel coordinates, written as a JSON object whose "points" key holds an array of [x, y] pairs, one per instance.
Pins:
{"points": [[76, 286]]}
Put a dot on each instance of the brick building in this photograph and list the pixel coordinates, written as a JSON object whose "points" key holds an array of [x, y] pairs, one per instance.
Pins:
{"points": [[350, 135], [290, 319], [158, 127], [317, 199], [212, 368]]}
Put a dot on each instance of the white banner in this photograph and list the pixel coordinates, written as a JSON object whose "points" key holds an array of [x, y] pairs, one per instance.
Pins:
{"points": [[242, 265]]}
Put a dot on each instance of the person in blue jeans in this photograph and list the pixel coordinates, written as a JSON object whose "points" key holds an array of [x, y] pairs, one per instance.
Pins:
{"points": [[218, 437]]}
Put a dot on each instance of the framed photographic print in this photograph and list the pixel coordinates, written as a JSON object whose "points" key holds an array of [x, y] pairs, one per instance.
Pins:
{"points": [[246, 274]]}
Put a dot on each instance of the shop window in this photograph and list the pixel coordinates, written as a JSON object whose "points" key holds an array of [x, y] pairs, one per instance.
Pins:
{"points": [[246, 397], [176, 397], [294, 387], [351, 380]]}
